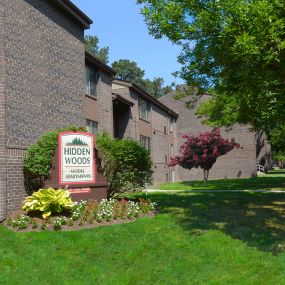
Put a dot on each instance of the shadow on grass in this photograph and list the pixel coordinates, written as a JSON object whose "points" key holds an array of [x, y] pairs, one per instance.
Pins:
{"points": [[266, 183], [280, 171], [255, 218]]}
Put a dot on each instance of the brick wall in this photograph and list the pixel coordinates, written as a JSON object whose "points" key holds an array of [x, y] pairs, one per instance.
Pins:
{"points": [[58, 16], [239, 163], [160, 142], [45, 73], [105, 103], [15, 179], [3, 207], [131, 126], [45, 61]]}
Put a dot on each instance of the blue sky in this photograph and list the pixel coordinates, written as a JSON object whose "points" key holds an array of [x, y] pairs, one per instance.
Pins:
{"points": [[119, 25]]}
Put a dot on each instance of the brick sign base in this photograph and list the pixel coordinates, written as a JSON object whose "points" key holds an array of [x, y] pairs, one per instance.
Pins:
{"points": [[94, 193]]}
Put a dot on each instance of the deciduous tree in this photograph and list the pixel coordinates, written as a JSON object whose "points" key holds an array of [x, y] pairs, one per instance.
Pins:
{"points": [[234, 48], [92, 46], [130, 71], [156, 87], [202, 151], [277, 138]]}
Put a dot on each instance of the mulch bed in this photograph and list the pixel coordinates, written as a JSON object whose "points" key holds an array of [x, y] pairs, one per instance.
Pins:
{"points": [[77, 225]]}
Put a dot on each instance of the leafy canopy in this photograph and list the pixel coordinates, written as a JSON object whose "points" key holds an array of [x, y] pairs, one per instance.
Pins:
{"points": [[130, 71], [203, 150], [126, 69], [156, 87], [277, 138], [234, 48], [92, 46], [39, 156]]}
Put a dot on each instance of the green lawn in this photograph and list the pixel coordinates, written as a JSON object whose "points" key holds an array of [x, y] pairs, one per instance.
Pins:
{"points": [[275, 180], [198, 238]]}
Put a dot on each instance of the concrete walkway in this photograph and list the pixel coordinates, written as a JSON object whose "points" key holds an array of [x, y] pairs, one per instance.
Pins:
{"points": [[212, 191]]}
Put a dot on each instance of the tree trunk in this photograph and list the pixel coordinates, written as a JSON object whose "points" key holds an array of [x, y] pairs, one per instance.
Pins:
{"points": [[206, 175], [281, 164]]}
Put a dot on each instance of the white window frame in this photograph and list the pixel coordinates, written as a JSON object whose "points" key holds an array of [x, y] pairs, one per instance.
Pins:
{"points": [[91, 80], [92, 126], [146, 143], [167, 177], [165, 130], [172, 150], [171, 123], [173, 176], [144, 113]]}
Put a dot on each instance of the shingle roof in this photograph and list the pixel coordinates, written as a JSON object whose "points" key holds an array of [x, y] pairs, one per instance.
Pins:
{"points": [[145, 95], [68, 7], [100, 64]]}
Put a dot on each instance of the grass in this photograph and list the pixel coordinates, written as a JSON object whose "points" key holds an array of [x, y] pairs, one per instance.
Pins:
{"points": [[198, 238], [274, 180]]}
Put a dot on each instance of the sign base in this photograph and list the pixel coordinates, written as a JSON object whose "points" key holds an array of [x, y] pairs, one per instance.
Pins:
{"points": [[94, 193]]}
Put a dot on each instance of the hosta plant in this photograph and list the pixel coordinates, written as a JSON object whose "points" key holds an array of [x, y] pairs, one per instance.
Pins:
{"points": [[82, 214], [48, 201]]}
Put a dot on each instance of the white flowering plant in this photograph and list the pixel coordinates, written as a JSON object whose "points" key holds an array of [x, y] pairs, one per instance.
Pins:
{"points": [[86, 213]]}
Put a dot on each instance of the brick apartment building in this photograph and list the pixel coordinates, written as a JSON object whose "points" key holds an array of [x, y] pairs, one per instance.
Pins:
{"points": [[148, 121], [48, 81], [126, 111], [42, 62]]}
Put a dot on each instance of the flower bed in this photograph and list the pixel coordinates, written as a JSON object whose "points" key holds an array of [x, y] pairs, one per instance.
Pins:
{"points": [[85, 214]]}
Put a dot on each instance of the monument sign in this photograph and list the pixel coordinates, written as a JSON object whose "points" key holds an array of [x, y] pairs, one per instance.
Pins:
{"points": [[76, 159]]}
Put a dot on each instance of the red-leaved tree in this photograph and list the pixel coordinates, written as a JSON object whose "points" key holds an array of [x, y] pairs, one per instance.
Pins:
{"points": [[202, 151]]}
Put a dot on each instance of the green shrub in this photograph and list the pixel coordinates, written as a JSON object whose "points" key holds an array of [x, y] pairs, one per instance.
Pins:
{"points": [[49, 201], [39, 156], [125, 163], [280, 157]]}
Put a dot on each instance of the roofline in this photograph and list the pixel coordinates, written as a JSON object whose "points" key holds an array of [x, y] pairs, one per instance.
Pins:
{"points": [[122, 99], [75, 12], [100, 64], [145, 95]]}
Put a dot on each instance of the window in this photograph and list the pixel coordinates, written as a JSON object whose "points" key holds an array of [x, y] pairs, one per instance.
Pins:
{"points": [[91, 80], [173, 178], [167, 177], [166, 159], [144, 108], [92, 127], [172, 150], [171, 125], [145, 142], [165, 130]]}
